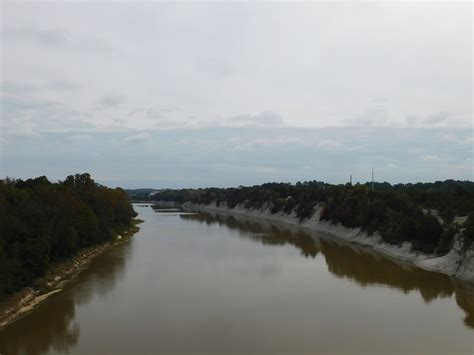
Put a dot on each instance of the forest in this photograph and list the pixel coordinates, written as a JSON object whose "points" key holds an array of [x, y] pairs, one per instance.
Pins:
{"points": [[140, 195], [422, 213], [43, 222]]}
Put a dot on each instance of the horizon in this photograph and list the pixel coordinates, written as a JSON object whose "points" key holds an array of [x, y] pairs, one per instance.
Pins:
{"points": [[354, 183]]}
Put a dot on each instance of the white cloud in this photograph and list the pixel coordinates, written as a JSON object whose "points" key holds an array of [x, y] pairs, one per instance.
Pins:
{"points": [[262, 119], [210, 67], [81, 137], [111, 100], [251, 72], [229, 157], [13, 87], [266, 169], [430, 157], [330, 144], [453, 138], [53, 37], [35, 116], [251, 143], [139, 137], [449, 138], [56, 38], [63, 85]]}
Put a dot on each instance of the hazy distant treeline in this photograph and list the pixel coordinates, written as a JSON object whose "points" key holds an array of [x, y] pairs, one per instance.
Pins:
{"points": [[43, 222], [422, 213], [141, 195]]}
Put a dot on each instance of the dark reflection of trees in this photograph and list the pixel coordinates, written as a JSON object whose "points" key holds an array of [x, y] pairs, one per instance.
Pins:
{"points": [[366, 269], [258, 232], [357, 264], [465, 300], [44, 330], [51, 327], [103, 274]]}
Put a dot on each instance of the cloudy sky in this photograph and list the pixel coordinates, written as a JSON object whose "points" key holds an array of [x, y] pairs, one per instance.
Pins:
{"points": [[199, 94]]}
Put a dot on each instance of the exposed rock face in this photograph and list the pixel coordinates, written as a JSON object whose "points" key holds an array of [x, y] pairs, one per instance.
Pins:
{"points": [[459, 262], [466, 270], [447, 264]]}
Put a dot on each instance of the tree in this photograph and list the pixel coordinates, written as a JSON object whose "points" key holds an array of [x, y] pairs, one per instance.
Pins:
{"points": [[42, 222]]}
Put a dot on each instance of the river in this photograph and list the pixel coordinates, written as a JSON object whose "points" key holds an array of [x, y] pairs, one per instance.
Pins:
{"points": [[203, 284]]}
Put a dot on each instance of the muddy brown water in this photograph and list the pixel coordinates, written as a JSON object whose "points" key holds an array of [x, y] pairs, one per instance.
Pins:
{"points": [[203, 284]]}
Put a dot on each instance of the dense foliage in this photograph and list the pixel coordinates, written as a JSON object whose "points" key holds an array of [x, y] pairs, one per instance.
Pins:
{"points": [[421, 213], [43, 222], [140, 195]]}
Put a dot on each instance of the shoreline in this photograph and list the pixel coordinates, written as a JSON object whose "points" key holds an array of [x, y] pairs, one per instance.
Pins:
{"points": [[457, 263], [26, 300]]}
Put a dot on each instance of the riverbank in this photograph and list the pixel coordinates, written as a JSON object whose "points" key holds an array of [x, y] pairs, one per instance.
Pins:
{"points": [[458, 262], [24, 301]]}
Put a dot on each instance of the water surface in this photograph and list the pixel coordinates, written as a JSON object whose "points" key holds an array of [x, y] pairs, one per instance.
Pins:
{"points": [[202, 284]]}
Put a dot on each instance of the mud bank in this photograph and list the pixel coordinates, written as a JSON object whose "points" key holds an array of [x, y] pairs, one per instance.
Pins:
{"points": [[24, 301], [459, 262]]}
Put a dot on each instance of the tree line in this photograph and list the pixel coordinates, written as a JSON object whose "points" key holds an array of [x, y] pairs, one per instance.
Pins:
{"points": [[43, 222], [422, 213]]}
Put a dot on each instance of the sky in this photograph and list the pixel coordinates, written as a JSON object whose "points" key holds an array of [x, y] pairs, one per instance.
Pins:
{"points": [[191, 94]]}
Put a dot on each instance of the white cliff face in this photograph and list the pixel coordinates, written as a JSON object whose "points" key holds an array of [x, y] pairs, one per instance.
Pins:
{"points": [[459, 262], [447, 264], [167, 204], [466, 270]]}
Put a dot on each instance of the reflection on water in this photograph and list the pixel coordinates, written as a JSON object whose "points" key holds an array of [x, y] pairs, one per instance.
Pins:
{"points": [[60, 331], [465, 300], [52, 326], [359, 264], [215, 284]]}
